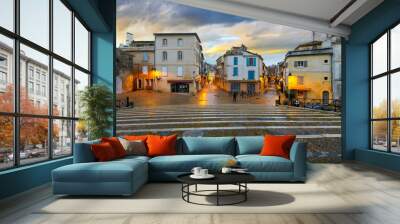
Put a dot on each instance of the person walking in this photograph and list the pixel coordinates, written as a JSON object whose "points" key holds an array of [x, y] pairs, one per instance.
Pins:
{"points": [[234, 96]]}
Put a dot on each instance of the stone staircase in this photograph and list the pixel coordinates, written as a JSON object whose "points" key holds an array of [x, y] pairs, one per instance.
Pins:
{"points": [[321, 129]]}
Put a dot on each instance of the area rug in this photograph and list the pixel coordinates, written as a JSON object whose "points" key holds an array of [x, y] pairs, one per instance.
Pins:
{"points": [[166, 198]]}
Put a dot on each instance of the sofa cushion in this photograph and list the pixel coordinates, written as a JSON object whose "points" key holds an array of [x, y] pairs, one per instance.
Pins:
{"points": [[208, 145], [116, 145], [161, 145], [185, 163], [103, 152], [277, 145], [136, 147], [257, 163], [249, 145], [112, 171]]}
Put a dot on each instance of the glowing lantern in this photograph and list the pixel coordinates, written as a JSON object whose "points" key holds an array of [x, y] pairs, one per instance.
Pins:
{"points": [[292, 82]]}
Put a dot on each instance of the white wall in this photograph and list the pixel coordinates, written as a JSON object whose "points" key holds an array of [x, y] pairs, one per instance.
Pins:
{"points": [[243, 68]]}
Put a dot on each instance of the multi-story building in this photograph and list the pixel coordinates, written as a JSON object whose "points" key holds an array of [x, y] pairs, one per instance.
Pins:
{"points": [[239, 70], [136, 69], [34, 82], [178, 61], [308, 72]]}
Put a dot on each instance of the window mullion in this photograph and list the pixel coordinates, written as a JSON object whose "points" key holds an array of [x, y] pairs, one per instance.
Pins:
{"points": [[73, 82], [389, 101], [16, 84]]}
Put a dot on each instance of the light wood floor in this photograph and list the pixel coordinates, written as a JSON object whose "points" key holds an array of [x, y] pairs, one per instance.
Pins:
{"points": [[378, 189]]}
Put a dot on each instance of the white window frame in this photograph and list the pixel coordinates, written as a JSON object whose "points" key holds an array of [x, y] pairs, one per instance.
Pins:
{"points": [[179, 71], [164, 71]]}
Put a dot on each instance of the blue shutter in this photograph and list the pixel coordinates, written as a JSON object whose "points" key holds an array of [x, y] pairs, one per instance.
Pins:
{"points": [[248, 61], [235, 61], [235, 71], [250, 75]]}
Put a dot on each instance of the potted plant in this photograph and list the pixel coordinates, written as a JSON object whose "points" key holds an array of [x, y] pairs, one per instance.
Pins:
{"points": [[96, 102]]}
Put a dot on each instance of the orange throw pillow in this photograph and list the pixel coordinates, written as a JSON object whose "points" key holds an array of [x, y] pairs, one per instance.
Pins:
{"points": [[103, 152], [116, 145], [136, 138], [161, 145], [277, 145]]}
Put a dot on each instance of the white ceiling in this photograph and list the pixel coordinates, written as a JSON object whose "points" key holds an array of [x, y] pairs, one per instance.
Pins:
{"points": [[314, 15], [321, 9]]}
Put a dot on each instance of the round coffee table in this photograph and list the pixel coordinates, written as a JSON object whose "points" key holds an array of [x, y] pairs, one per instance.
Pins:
{"points": [[238, 179]]}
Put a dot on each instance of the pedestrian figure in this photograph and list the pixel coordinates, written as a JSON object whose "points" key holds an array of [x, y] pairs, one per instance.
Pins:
{"points": [[234, 96]]}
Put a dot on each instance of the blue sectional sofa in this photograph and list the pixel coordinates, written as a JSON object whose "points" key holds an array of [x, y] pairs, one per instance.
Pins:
{"points": [[125, 176]]}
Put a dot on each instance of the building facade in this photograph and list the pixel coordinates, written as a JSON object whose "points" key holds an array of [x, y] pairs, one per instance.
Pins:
{"points": [[136, 66], [34, 90], [240, 70], [178, 62], [308, 72]]}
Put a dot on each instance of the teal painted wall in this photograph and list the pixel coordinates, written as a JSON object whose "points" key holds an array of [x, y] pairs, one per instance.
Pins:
{"points": [[103, 53], [24, 178], [356, 79], [100, 16]]}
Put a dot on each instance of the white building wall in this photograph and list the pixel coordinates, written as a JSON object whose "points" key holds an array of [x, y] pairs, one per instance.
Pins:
{"points": [[190, 63], [242, 66]]}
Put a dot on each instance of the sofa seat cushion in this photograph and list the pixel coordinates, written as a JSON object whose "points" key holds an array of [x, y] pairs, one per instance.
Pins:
{"points": [[113, 171], [257, 163], [185, 163]]}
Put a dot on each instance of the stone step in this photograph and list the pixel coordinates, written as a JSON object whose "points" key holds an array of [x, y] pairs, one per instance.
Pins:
{"points": [[237, 130], [226, 119], [162, 116], [221, 123]]}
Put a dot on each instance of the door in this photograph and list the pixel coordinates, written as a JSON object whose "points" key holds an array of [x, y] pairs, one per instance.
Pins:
{"points": [[139, 84], [235, 87], [180, 88], [251, 89], [325, 97]]}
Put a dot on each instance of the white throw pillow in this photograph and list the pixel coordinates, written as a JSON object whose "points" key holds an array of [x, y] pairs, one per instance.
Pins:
{"points": [[137, 148]]}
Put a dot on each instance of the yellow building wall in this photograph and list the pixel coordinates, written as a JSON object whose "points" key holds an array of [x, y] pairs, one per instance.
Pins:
{"points": [[317, 76]]}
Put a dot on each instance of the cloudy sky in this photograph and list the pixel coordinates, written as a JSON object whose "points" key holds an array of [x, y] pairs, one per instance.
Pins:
{"points": [[217, 31]]}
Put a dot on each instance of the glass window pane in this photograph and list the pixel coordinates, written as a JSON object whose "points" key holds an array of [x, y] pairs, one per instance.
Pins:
{"points": [[62, 89], [81, 45], [34, 72], [62, 138], [6, 142], [62, 29], [7, 14], [395, 95], [379, 55], [35, 21], [379, 98], [395, 136], [6, 74], [33, 140], [379, 135], [395, 47], [81, 132], [81, 82]]}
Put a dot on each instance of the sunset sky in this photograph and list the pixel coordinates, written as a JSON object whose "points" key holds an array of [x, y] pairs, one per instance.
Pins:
{"points": [[217, 31]]}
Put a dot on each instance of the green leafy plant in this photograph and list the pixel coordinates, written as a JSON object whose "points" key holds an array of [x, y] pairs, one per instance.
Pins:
{"points": [[96, 104]]}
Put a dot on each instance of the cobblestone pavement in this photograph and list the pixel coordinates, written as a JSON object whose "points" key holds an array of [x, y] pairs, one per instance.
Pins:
{"points": [[207, 96], [321, 129]]}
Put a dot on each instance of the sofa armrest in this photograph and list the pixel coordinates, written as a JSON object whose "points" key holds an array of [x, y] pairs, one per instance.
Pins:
{"points": [[298, 156], [83, 152]]}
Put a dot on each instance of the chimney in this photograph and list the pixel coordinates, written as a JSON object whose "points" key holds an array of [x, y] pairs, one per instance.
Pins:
{"points": [[129, 39]]}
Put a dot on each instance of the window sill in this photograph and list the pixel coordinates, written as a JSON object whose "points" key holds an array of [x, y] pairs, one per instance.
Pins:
{"points": [[30, 166]]}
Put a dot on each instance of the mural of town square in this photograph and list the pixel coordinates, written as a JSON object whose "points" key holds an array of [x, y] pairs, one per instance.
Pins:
{"points": [[196, 72]]}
